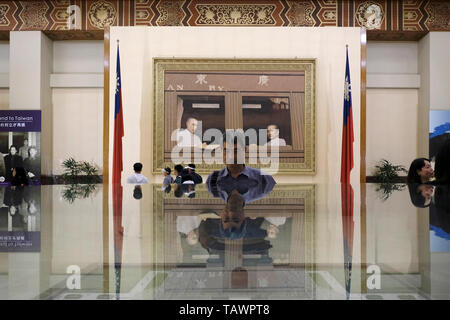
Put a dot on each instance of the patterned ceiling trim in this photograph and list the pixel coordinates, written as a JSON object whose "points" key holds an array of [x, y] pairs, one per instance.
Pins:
{"points": [[90, 15]]}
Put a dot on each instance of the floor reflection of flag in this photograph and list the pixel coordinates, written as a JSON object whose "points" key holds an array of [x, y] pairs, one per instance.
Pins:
{"points": [[347, 227], [118, 234]]}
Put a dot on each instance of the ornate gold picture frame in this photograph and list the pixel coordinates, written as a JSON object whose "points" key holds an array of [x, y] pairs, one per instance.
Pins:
{"points": [[271, 95]]}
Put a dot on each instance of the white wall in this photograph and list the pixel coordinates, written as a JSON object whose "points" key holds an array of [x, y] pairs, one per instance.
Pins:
{"points": [[4, 99], [391, 127], [78, 56], [4, 56], [392, 57], [77, 125], [440, 70], [77, 101], [393, 82]]}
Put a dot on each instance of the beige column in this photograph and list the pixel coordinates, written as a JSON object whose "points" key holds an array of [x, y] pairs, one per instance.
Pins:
{"points": [[31, 63]]}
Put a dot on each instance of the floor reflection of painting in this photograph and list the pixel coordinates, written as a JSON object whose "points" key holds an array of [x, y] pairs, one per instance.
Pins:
{"points": [[276, 235]]}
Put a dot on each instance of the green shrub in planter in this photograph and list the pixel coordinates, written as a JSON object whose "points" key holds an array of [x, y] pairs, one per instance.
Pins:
{"points": [[74, 170], [387, 175]]}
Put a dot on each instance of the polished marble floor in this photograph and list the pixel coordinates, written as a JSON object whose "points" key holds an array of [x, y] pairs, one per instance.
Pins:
{"points": [[297, 242]]}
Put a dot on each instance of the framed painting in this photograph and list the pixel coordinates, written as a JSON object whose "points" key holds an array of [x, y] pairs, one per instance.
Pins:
{"points": [[271, 101]]}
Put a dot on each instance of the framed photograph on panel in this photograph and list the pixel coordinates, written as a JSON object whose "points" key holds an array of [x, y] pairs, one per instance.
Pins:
{"points": [[272, 101]]}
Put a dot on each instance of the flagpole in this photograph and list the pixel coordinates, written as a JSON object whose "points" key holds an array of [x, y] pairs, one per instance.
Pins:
{"points": [[117, 172]]}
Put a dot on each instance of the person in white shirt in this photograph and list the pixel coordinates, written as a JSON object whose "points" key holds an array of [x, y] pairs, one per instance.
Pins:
{"points": [[137, 177], [187, 137], [273, 133]]}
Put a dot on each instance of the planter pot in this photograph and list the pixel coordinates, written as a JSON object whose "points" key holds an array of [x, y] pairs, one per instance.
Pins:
{"points": [[46, 180], [373, 179]]}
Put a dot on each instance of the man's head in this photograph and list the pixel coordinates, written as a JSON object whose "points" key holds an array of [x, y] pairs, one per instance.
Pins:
{"points": [[232, 215], [166, 171], [272, 131], [191, 124], [137, 167], [25, 142], [178, 169], [190, 168], [32, 152]]}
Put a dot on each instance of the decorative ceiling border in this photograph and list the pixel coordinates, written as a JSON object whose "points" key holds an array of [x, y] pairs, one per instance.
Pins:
{"points": [[377, 16]]}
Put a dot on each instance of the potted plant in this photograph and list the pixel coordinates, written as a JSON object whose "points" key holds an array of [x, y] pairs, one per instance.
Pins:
{"points": [[79, 172], [387, 176]]}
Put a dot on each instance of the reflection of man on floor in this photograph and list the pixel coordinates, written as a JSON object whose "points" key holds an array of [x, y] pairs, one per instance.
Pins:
{"points": [[273, 133], [187, 137]]}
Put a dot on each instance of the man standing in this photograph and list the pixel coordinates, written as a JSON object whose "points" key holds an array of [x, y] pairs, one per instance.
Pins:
{"points": [[23, 151], [137, 177]]}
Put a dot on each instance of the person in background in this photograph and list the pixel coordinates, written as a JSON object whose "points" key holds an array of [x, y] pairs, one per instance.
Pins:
{"points": [[137, 177], [168, 180], [178, 174], [187, 137], [273, 133], [420, 171], [12, 160], [32, 164], [190, 170], [23, 150], [19, 177]]}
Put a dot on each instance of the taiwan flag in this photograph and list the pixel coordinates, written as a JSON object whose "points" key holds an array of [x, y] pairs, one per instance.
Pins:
{"points": [[118, 127], [116, 178], [347, 129]]}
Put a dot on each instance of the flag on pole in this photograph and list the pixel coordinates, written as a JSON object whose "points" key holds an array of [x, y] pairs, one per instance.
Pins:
{"points": [[116, 178], [347, 129], [347, 229], [118, 127]]}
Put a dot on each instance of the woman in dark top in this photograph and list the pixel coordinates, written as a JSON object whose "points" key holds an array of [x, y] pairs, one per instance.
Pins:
{"points": [[12, 160], [19, 177]]}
